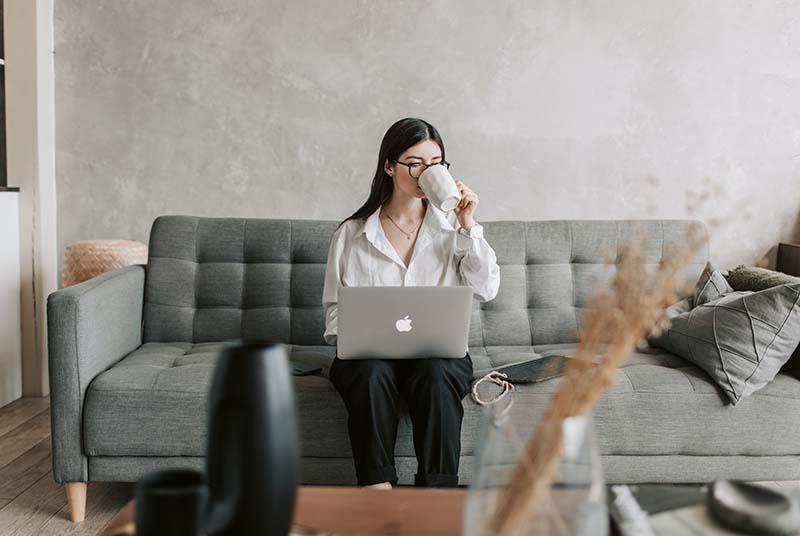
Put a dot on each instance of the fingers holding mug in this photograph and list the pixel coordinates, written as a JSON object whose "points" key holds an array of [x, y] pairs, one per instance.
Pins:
{"points": [[468, 199], [463, 189]]}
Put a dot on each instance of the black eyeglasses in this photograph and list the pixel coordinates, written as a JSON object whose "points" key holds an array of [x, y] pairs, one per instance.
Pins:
{"points": [[415, 169]]}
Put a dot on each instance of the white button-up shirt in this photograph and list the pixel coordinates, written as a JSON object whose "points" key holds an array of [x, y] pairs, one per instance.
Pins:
{"points": [[360, 254]]}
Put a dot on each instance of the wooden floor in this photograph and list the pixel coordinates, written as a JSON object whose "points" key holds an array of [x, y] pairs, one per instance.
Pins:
{"points": [[31, 502]]}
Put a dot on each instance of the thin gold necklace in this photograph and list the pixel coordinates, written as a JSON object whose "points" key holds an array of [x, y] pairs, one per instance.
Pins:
{"points": [[408, 235]]}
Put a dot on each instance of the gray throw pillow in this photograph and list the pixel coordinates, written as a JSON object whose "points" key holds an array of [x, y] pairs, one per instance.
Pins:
{"points": [[741, 339], [753, 278], [678, 308], [711, 286]]}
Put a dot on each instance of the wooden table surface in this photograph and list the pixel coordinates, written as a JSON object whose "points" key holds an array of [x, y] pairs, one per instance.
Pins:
{"points": [[360, 511]]}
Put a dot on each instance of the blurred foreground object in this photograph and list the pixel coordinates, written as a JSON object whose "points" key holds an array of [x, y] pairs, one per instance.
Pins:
{"points": [[327, 510], [252, 462]]}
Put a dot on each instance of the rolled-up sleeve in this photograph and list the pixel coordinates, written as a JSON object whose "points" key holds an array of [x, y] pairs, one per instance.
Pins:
{"points": [[478, 263], [333, 280]]}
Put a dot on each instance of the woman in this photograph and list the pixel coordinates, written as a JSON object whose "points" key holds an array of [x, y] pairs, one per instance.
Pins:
{"points": [[397, 239]]}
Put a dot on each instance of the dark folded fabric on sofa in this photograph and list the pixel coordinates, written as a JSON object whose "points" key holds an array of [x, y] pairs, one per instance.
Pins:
{"points": [[754, 278], [536, 370]]}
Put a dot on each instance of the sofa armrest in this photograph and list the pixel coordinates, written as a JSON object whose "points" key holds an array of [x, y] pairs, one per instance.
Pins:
{"points": [[90, 326]]}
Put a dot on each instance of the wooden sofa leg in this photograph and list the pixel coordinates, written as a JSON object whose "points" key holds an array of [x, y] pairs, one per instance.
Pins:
{"points": [[76, 500]]}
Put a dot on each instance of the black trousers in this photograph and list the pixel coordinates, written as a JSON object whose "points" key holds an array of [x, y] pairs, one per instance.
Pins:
{"points": [[432, 389]]}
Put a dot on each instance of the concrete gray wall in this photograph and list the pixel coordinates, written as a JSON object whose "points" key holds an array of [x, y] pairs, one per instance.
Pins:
{"points": [[549, 109]]}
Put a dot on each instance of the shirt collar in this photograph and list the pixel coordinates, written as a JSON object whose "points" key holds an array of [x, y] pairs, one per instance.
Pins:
{"points": [[433, 217]]}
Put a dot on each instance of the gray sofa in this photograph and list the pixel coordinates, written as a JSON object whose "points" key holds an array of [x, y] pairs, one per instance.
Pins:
{"points": [[132, 353]]}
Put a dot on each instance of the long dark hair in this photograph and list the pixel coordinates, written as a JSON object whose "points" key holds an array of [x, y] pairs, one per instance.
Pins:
{"points": [[400, 136]]}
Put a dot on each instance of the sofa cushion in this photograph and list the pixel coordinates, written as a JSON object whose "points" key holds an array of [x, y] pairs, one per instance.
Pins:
{"points": [[214, 279], [153, 403], [742, 339]]}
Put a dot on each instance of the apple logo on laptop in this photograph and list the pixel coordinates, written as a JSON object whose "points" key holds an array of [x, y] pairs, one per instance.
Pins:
{"points": [[404, 324]]}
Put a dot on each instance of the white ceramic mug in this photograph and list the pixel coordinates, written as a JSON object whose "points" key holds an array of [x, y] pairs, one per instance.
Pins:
{"points": [[440, 188]]}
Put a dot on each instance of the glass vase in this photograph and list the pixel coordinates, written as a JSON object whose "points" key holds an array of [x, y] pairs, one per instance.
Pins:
{"points": [[574, 503]]}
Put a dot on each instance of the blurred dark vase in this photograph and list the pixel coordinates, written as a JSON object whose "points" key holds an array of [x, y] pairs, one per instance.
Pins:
{"points": [[252, 459], [253, 449]]}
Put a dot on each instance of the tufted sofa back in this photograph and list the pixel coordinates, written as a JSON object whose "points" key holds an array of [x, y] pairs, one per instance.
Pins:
{"points": [[216, 279]]}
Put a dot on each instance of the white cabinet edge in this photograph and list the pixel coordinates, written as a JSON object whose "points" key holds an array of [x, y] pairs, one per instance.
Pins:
{"points": [[10, 284]]}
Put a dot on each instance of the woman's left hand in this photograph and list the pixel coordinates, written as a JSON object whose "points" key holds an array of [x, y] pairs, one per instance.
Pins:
{"points": [[465, 210]]}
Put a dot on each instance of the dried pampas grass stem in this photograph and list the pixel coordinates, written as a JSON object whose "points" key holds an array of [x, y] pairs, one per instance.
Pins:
{"points": [[616, 321]]}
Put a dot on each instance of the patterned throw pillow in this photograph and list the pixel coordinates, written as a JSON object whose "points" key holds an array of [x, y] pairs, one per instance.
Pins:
{"points": [[678, 308], [711, 286], [741, 339], [754, 278]]}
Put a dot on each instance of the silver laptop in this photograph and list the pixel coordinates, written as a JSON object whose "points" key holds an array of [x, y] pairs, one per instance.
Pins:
{"points": [[403, 322]]}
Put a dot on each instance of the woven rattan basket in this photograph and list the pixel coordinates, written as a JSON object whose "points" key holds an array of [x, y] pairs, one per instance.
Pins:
{"points": [[89, 258]]}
